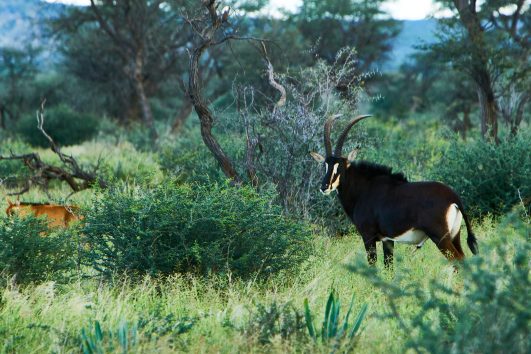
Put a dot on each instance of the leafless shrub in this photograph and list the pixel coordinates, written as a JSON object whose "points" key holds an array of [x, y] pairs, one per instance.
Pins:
{"points": [[282, 135]]}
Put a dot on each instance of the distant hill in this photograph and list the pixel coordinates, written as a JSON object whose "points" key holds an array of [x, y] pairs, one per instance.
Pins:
{"points": [[413, 33], [21, 23]]}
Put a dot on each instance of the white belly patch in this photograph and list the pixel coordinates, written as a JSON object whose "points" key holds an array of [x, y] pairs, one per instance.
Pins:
{"points": [[410, 237]]}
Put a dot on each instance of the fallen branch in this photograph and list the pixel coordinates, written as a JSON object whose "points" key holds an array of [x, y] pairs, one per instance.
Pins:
{"points": [[42, 173]]}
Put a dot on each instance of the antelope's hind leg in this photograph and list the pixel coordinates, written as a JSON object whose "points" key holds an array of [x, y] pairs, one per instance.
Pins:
{"points": [[445, 245], [457, 243], [388, 247]]}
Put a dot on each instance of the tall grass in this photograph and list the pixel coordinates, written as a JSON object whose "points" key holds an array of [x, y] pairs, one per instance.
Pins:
{"points": [[188, 313]]}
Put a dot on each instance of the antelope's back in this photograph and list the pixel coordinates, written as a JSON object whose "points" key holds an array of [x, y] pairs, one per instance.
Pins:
{"points": [[58, 215]]}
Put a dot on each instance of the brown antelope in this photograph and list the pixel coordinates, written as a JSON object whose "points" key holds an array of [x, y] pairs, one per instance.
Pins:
{"points": [[385, 207], [58, 215]]}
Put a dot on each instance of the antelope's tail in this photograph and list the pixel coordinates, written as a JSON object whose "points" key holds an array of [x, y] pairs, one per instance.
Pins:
{"points": [[471, 240]]}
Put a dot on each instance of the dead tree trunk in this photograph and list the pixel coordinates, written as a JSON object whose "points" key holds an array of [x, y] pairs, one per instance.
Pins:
{"points": [[205, 115], [210, 34]]}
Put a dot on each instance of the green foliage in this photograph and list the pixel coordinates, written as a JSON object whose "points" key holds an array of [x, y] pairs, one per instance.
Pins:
{"points": [[96, 341], [332, 330], [334, 24], [189, 160], [119, 161], [489, 178], [12, 173], [192, 229], [64, 125], [30, 252], [269, 321]]}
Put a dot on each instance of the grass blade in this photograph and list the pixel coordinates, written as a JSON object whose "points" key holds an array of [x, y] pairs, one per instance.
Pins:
{"points": [[347, 317], [326, 319], [358, 321], [309, 320]]}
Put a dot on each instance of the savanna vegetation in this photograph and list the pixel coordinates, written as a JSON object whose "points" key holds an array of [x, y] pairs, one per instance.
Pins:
{"points": [[182, 131]]}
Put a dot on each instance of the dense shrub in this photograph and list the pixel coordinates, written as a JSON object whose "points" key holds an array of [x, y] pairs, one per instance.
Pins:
{"points": [[489, 178], [64, 125], [30, 253], [192, 229]]}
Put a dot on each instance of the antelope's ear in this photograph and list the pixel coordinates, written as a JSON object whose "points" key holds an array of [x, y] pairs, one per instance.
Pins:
{"points": [[352, 155], [317, 157], [9, 202]]}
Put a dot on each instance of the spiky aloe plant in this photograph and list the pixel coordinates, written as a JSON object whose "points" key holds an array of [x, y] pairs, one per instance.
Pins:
{"points": [[332, 329]]}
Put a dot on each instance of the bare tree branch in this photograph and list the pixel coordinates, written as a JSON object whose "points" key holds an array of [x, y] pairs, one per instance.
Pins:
{"points": [[71, 172]]}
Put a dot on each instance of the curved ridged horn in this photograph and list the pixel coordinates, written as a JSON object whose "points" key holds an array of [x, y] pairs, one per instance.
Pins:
{"points": [[327, 128], [343, 136]]}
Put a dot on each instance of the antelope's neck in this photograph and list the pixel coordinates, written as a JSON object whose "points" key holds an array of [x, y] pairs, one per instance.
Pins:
{"points": [[349, 189]]}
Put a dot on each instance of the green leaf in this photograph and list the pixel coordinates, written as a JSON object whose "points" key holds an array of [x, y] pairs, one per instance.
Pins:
{"points": [[359, 319], [309, 321], [326, 319], [347, 317]]}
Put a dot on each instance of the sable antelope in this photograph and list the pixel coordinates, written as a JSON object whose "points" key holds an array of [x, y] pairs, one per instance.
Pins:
{"points": [[385, 207], [58, 215]]}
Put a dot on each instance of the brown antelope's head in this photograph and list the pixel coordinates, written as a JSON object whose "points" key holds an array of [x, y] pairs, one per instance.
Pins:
{"points": [[335, 163], [12, 207]]}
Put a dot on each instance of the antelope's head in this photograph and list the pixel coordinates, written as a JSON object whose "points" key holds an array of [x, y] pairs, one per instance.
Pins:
{"points": [[335, 164], [12, 207]]}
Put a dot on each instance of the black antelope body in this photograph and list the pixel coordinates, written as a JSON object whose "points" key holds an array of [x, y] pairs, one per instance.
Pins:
{"points": [[385, 207]]}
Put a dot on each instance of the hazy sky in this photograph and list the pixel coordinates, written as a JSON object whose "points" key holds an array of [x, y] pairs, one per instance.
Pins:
{"points": [[400, 9]]}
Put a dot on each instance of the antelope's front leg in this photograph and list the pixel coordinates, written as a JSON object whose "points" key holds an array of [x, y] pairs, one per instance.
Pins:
{"points": [[370, 247]]}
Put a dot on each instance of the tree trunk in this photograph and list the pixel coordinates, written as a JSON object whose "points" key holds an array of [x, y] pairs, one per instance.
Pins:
{"points": [[479, 68], [467, 124], [147, 115], [518, 115], [2, 117], [488, 113], [205, 116], [181, 117]]}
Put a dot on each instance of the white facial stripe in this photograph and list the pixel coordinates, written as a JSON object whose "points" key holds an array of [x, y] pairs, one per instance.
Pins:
{"points": [[326, 166], [336, 165], [335, 183]]}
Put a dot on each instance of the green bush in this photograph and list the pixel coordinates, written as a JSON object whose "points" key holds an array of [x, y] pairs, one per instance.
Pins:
{"points": [[268, 321], [489, 178], [191, 229], [64, 125], [30, 253]]}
